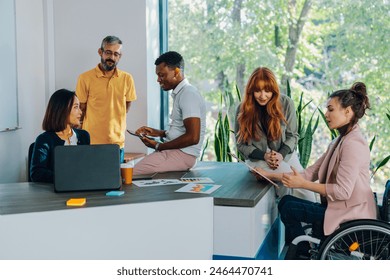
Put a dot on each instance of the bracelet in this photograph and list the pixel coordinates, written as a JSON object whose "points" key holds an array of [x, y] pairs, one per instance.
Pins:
{"points": [[157, 145]]}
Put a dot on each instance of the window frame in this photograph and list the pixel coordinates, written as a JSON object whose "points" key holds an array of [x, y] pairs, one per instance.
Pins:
{"points": [[163, 26]]}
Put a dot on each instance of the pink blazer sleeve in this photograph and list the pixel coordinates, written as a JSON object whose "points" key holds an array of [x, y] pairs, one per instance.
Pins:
{"points": [[352, 164], [312, 172]]}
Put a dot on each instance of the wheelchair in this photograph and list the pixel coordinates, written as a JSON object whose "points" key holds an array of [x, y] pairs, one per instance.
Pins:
{"points": [[362, 239]]}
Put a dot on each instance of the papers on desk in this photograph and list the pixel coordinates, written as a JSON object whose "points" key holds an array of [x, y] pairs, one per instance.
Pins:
{"points": [[199, 188], [156, 182], [199, 180]]}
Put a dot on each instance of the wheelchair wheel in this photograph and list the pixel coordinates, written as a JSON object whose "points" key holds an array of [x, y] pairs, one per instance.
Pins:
{"points": [[358, 240]]}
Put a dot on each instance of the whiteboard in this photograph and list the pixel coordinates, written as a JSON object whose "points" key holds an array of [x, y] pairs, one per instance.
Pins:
{"points": [[8, 75]]}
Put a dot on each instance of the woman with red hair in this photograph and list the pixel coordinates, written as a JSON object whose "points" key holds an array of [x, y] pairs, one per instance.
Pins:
{"points": [[266, 127]]}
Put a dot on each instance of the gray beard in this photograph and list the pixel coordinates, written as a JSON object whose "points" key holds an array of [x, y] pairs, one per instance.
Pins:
{"points": [[106, 67]]}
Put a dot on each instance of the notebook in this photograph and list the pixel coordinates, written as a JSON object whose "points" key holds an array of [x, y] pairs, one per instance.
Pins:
{"points": [[87, 168]]}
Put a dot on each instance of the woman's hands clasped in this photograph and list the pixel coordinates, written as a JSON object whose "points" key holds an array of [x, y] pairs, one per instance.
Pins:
{"points": [[273, 159]]}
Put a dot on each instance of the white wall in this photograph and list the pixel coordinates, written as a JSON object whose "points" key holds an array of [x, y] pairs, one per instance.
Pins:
{"points": [[56, 41], [31, 90]]}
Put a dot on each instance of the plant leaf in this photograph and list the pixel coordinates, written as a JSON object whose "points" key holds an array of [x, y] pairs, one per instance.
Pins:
{"points": [[372, 142], [288, 89], [238, 93], [217, 139], [204, 148], [306, 105], [381, 164], [305, 145], [333, 133]]}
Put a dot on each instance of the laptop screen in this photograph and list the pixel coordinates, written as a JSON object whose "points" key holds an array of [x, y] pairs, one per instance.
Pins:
{"points": [[86, 168]]}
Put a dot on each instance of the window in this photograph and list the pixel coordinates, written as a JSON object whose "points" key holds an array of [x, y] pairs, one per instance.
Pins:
{"points": [[318, 46]]}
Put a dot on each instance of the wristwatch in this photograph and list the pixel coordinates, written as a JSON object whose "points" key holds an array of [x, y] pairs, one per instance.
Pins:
{"points": [[157, 145]]}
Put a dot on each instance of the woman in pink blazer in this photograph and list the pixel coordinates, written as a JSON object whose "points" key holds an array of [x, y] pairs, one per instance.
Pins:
{"points": [[340, 175]]}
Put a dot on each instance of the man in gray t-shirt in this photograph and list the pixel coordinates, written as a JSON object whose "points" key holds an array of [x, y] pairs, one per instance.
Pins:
{"points": [[185, 135]]}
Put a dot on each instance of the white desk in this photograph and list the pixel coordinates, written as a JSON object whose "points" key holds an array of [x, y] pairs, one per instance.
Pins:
{"points": [[179, 226], [245, 213]]}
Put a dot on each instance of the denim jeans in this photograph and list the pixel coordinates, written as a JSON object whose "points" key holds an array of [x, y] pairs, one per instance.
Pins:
{"points": [[122, 155], [293, 211]]}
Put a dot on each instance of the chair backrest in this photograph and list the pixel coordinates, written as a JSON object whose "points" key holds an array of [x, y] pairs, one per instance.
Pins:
{"points": [[385, 208], [30, 151]]}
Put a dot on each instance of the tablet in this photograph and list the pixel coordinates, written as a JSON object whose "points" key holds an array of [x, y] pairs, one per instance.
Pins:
{"points": [[254, 170]]}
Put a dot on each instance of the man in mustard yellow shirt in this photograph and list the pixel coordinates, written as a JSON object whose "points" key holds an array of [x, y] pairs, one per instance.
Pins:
{"points": [[105, 95]]}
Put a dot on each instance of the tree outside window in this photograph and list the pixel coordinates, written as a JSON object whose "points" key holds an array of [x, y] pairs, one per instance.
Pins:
{"points": [[317, 46]]}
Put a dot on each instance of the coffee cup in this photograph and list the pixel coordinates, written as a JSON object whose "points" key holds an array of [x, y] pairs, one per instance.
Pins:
{"points": [[127, 173]]}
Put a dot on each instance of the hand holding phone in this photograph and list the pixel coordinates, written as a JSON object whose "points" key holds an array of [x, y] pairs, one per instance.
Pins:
{"points": [[140, 136], [134, 134]]}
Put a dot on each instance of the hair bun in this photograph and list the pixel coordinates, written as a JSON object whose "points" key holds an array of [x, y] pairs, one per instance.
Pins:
{"points": [[359, 88], [360, 91]]}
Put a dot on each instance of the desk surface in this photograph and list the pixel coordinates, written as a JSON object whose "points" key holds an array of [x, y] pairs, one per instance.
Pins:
{"points": [[239, 188]]}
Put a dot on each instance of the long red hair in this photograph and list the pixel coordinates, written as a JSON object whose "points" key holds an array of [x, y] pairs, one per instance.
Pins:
{"points": [[249, 115]]}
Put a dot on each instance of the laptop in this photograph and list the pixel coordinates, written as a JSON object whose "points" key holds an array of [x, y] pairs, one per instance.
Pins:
{"points": [[87, 168]]}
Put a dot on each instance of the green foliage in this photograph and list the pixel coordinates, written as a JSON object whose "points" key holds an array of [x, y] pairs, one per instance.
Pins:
{"points": [[333, 133], [222, 131], [305, 141], [205, 146], [342, 42], [306, 133], [239, 96], [372, 143], [221, 141], [384, 161]]}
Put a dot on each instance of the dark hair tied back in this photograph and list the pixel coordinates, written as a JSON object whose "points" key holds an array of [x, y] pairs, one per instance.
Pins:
{"points": [[360, 101], [355, 97]]}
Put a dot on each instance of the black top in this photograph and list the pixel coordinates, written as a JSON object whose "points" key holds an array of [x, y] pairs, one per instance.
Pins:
{"points": [[42, 160]]}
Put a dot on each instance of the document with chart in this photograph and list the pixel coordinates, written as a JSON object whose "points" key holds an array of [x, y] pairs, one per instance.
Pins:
{"points": [[199, 188], [156, 182]]}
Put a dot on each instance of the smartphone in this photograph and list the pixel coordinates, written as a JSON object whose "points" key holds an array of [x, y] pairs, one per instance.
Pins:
{"points": [[139, 135], [134, 134]]}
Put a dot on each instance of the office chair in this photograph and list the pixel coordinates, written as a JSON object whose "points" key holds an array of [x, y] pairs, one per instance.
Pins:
{"points": [[30, 151]]}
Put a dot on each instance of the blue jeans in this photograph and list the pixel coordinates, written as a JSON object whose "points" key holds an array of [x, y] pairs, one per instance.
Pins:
{"points": [[293, 211], [122, 155]]}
